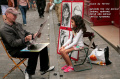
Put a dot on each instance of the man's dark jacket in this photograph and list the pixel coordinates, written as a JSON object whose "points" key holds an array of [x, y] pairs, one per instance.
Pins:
{"points": [[14, 37]]}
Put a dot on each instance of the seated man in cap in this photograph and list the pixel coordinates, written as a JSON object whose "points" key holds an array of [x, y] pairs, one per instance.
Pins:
{"points": [[16, 38]]}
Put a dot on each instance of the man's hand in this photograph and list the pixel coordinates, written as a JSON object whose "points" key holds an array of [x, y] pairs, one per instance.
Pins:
{"points": [[37, 36], [28, 38]]}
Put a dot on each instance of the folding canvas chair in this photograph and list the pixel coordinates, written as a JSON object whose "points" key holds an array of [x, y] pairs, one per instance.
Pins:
{"points": [[85, 50], [82, 60], [90, 36], [21, 60]]}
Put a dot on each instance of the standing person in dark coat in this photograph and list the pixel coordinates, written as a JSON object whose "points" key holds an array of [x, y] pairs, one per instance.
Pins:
{"points": [[41, 6]]}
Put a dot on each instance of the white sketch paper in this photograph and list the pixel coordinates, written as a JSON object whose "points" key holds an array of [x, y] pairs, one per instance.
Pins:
{"points": [[77, 8]]}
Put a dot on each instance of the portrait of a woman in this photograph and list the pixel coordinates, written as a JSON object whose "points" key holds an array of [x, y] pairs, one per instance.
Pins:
{"points": [[66, 15]]}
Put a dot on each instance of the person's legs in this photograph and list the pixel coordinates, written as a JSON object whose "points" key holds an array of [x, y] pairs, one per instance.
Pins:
{"points": [[59, 12], [25, 10], [4, 7], [38, 7], [56, 9], [34, 5], [15, 3], [69, 67], [43, 8], [30, 4], [66, 57], [22, 9], [44, 59], [32, 60], [47, 8], [62, 54], [32, 63], [42, 12]]}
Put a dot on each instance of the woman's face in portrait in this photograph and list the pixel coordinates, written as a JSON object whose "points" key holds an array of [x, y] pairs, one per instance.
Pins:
{"points": [[65, 13]]}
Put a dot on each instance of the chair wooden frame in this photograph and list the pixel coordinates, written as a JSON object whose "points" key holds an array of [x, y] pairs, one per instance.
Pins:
{"points": [[86, 50], [12, 58]]}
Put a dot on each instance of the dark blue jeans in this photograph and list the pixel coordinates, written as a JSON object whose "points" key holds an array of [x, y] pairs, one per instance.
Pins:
{"points": [[23, 10]]}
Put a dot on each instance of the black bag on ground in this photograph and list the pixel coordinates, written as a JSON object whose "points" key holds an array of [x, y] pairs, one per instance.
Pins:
{"points": [[106, 52]]}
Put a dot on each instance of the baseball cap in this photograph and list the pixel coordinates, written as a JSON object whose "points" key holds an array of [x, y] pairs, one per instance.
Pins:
{"points": [[12, 10]]}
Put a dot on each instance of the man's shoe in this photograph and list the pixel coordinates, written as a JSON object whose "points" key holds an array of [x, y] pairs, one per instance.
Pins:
{"points": [[42, 15], [27, 76], [50, 69], [24, 24]]}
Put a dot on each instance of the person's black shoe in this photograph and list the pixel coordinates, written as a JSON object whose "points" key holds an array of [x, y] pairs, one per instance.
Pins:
{"points": [[42, 15], [50, 69], [58, 24]]}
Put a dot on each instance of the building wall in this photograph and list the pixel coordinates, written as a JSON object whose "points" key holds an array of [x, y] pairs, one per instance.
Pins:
{"points": [[100, 21], [114, 17]]}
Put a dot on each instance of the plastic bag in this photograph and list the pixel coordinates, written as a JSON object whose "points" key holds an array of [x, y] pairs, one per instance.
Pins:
{"points": [[100, 56]]}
